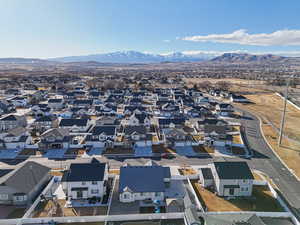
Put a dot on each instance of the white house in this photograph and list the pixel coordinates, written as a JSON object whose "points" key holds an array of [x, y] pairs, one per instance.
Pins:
{"points": [[147, 182], [56, 103], [75, 125], [230, 179], [83, 181]]}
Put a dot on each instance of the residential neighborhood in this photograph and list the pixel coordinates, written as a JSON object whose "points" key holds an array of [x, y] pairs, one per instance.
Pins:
{"points": [[130, 112], [90, 133]]}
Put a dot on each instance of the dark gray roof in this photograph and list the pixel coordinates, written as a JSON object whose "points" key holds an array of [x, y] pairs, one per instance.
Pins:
{"points": [[55, 100], [214, 128], [72, 122], [108, 130], [129, 130], [9, 118], [233, 170], [143, 178], [84, 172], [26, 177]]}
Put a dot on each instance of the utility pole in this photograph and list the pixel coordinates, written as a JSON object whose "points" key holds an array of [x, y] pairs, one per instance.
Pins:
{"points": [[283, 113]]}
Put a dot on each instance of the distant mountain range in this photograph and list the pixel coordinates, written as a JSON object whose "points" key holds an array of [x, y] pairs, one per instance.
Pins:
{"points": [[132, 57], [248, 58]]}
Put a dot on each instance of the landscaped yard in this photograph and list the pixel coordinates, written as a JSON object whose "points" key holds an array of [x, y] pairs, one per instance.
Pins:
{"points": [[262, 201]]}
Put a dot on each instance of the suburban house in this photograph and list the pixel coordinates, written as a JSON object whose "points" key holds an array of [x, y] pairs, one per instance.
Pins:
{"points": [[238, 98], [21, 185], [216, 135], [55, 138], [44, 123], [16, 138], [56, 103], [224, 109], [83, 181], [101, 136], [147, 182], [230, 179], [18, 101], [12, 121], [139, 118], [75, 125]]}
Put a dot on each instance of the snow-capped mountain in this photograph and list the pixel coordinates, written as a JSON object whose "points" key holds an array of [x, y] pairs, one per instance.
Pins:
{"points": [[136, 57]]}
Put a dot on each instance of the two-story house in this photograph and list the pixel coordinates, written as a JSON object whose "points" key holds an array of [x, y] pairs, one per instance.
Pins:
{"points": [[83, 181]]}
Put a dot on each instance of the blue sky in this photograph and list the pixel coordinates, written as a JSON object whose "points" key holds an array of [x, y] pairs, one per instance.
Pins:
{"points": [[51, 28]]}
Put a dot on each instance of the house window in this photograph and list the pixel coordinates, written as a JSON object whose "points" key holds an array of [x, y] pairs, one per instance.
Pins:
{"points": [[3, 197], [20, 198], [94, 182], [244, 189], [126, 196], [142, 194], [83, 183], [95, 191], [157, 194]]}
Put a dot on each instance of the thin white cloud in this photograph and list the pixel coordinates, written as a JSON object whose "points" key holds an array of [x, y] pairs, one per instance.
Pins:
{"points": [[280, 37], [167, 41]]}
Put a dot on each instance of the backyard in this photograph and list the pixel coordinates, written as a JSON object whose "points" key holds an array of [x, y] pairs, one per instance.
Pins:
{"points": [[261, 200]]}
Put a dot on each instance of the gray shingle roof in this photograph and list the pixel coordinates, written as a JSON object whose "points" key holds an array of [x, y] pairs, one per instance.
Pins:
{"points": [[233, 170], [25, 177], [143, 178], [85, 172]]}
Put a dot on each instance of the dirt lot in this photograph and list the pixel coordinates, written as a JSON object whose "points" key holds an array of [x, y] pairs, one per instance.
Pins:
{"points": [[262, 201], [48, 208]]}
